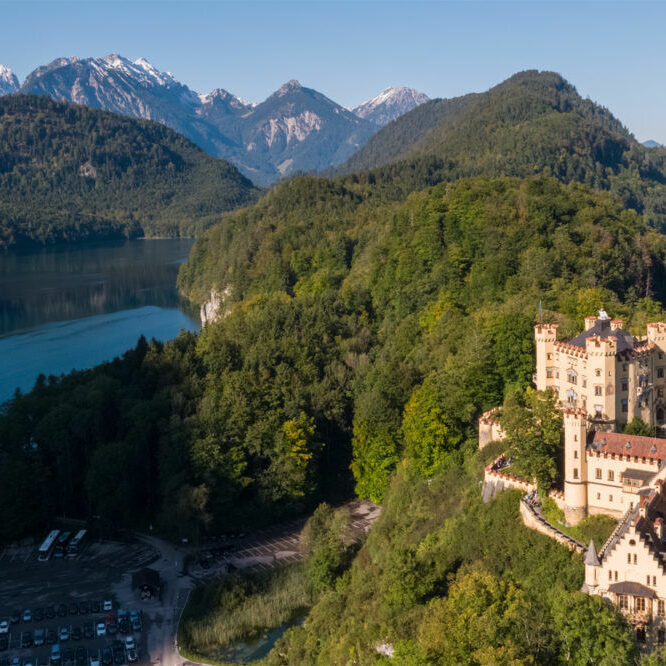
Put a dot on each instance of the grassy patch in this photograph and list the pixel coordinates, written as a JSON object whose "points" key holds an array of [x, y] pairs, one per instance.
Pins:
{"points": [[241, 607], [597, 528]]}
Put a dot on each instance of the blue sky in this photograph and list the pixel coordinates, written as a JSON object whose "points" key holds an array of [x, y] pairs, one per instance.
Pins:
{"points": [[612, 52]]}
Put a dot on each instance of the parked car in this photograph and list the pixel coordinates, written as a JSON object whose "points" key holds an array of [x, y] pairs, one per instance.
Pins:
{"points": [[27, 615], [81, 656], [40, 637], [124, 626], [73, 609], [135, 619], [88, 630], [129, 643], [38, 615], [4, 643], [55, 654], [49, 612], [14, 617], [63, 635], [62, 610], [94, 658], [26, 639], [4, 661], [111, 626], [118, 655], [51, 637], [100, 630], [4, 626], [84, 608], [107, 605], [76, 633], [16, 661], [132, 656], [68, 657], [95, 607], [107, 656]]}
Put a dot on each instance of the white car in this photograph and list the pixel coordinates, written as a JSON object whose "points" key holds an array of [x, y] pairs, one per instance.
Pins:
{"points": [[100, 629], [129, 643], [107, 605], [94, 659], [27, 616], [4, 626]]}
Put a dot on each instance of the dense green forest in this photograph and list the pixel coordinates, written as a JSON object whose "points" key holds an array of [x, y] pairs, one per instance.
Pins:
{"points": [[532, 123], [353, 340], [70, 173]]}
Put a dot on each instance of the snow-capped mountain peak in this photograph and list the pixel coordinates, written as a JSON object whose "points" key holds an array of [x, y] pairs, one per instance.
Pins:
{"points": [[8, 81], [389, 104]]}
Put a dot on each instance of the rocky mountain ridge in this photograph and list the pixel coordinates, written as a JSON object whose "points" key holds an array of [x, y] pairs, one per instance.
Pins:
{"points": [[294, 129]]}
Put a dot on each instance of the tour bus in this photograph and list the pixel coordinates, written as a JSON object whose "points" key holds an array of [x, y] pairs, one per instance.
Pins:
{"points": [[61, 544], [74, 547], [46, 548]]}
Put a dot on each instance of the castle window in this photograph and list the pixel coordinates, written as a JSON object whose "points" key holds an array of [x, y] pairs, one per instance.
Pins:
{"points": [[611, 475], [575, 473], [572, 377], [610, 575], [623, 601], [635, 558], [610, 498], [576, 455], [598, 496], [549, 373], [632, 542], [628, 558], [661, 608], [660, 372], [654, 580], [625, 386], [609, 389], [624, 367], [584, 383], [549, 356], [598, 411], [661, 355], [625, 406], [584, 399], [648, 580], [616, 576], [597, 473], [597, 372], [639, 604], [598, 390]]}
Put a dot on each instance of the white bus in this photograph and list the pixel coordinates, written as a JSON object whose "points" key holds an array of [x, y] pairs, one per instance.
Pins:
{"points": [[74, 546], [46, 548]]}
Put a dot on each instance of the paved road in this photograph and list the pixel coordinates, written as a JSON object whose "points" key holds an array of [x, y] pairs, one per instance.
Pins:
{"points": [[264, 549]]}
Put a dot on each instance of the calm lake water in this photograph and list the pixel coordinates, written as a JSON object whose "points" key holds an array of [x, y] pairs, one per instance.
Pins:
{"points": [[73, 307]]}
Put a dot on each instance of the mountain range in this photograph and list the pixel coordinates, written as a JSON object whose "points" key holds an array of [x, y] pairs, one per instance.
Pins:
{"points": [[295, 129]]}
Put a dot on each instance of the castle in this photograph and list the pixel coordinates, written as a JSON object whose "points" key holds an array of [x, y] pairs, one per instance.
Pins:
{"points": [[604, 378]]}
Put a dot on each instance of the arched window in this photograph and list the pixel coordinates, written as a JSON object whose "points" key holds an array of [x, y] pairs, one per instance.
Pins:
{"points": [[572, 376]]}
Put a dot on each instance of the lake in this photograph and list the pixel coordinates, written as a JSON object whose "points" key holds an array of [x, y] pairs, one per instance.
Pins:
{"points": [[73, 307]]}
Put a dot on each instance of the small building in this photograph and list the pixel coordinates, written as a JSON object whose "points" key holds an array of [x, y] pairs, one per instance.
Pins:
{"points": [[148, 582]]}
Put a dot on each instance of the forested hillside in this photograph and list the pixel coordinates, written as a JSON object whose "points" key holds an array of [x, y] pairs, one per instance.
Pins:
{"points": [[70, 173], [532, 123]]}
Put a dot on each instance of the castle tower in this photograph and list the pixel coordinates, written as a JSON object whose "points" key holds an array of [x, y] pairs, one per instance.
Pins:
{"points": [[544, 336], [602, 406], [592, 566], [575, 465]]}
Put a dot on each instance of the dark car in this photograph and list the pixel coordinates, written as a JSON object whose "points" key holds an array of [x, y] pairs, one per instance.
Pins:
{"points": [[4, 661], [4, 643], [111, 626], [38, 615], [15, 617], [107, 656], [51, 637], [88, 630], [84, 608], [68, 657], [73, 609], [62, 610], [26, 639], [95, 607], [118, 655], [132, 655], [81, 656], [49, 613], [76, 633], [124, 626]]}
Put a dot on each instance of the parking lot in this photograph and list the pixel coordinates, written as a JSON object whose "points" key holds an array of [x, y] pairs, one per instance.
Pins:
{"points": [[66, 603]]}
